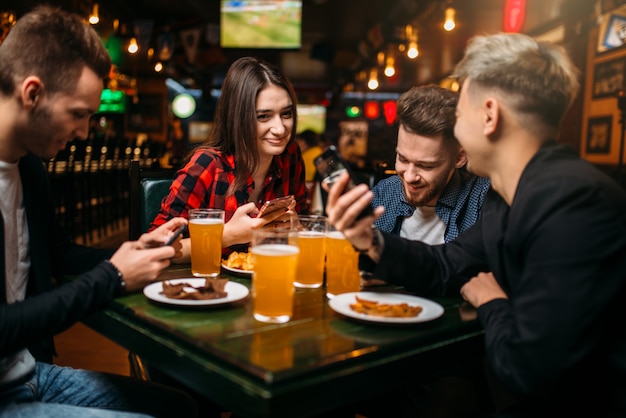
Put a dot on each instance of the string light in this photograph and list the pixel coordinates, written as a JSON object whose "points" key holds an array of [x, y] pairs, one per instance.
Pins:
{"points": [[390, 70], [413, 52], [449, 23], [94, 18], [132, 46], [372, 84], [411, 35]]}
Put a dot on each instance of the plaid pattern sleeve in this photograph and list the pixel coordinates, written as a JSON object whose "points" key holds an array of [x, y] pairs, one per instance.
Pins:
{"points": [[291, 177], [202, 182]]}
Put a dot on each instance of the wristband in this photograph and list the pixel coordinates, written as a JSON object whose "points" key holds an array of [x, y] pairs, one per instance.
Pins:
{"points": [[120, 276]]}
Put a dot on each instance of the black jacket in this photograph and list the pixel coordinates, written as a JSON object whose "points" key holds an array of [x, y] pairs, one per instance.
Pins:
{"points": [[559, 252], [49, 309]]}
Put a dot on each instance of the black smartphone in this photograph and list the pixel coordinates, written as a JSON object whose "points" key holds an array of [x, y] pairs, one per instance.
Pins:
{"points": [[177, 233], [275, 204], [330, 166]]}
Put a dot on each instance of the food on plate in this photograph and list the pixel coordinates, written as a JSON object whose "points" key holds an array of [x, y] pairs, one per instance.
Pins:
{"points": [[212, 289], [237, 260], [373, 308]]}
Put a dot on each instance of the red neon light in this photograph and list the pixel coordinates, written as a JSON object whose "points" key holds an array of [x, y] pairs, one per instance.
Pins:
{"points": [[514, 15], [372, 110], [389, 109]]}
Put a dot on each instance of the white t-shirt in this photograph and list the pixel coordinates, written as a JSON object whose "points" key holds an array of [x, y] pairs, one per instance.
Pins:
{"points": [[425, 225], [17, 261]]}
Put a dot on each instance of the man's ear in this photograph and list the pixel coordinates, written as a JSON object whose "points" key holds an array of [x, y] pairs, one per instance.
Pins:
{"points": [[31, 92], [461, 158], [491, 114]]}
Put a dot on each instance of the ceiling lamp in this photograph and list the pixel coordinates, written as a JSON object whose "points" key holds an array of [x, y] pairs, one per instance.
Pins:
{"points": [[390, 69], [133, 47], [94, 18], [411, 35], [449, 23], [372, 83]]}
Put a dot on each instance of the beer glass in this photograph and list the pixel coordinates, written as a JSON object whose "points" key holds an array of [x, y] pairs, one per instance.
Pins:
{"points": [[205, 232], [311, 232], [342, 265], [274, 256]]}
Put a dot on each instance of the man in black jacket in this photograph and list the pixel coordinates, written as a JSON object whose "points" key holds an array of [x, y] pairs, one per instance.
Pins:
{"points": [[546, 264], [52, 67]]}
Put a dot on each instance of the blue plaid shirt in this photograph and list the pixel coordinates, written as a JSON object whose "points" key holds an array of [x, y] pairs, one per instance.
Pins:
{"points": [[458, 206]]}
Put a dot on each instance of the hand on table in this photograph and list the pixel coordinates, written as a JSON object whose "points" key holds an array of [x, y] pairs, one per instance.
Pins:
{"points": [[481, 289]]}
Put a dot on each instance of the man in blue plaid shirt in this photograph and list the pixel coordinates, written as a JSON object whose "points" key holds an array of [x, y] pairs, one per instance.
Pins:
{"points": [[432, 198]]}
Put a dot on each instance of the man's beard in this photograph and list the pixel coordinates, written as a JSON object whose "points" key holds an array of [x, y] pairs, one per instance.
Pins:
{"points": [[431, 193]]}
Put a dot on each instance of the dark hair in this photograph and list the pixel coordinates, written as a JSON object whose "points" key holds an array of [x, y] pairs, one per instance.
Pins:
{"points": [[53, 45], [309, 136], [234, 126], [429, 111]]}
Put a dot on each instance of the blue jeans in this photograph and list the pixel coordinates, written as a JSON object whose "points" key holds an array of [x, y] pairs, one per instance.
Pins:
{"points": [[68, 393]]}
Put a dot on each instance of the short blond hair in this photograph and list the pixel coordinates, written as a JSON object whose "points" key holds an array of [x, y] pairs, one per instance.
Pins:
{"points": [[538, 78]]}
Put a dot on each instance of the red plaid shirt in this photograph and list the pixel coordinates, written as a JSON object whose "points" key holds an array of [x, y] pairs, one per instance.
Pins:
{"points": [[204, 181]]}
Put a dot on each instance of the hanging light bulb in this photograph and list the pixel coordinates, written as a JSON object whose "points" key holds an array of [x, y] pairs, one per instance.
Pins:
{"points": [[390, 69], [413, 51], [132, 46], [449, 23], [94, 18], [390, 61], [158, 67], [372, 84]]}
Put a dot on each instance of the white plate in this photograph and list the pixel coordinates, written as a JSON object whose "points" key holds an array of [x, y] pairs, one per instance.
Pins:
{"points": [[237, 271], [236, 291], [430, 310]]}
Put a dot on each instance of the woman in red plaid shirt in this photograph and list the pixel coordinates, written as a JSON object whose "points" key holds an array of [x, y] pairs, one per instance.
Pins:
{"points": [[250, 157]]}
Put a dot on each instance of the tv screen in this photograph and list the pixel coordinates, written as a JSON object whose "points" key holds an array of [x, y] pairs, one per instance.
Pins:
{"points": [[272, 24], [312, 117]]}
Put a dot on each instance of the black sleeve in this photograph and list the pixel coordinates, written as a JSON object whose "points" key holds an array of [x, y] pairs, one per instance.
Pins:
{"points": [[46, 314]]}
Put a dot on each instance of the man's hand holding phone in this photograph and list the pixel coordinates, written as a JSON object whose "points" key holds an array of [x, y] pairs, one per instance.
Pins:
{"points": [[346, 208], [331, 166]]}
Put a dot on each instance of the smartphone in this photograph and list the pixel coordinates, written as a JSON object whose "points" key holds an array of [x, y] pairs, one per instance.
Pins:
{"points": [[275, 204], [330, 166], [177, 233]]}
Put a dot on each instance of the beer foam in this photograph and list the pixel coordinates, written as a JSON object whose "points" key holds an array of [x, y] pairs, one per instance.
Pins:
{"points": [[335, 235], [311, 234], [206, 221], [275, 249]]}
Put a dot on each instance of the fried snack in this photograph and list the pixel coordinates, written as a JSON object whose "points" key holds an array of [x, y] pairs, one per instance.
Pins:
{"points": [[373, 308], [213, 289], [242, 261]]}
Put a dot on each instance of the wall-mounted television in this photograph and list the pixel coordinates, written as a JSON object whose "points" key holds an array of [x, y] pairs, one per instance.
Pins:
{"points": [[271, 24], [311, 116]]}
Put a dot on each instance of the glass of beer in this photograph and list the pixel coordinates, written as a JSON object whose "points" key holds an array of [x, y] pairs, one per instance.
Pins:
{"points": [[311, 232], [205, 232], [275, 257], [342, 265]]}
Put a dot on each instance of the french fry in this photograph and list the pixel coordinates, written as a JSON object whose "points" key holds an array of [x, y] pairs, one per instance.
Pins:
{"points": [[239, 260], [373, 308]]}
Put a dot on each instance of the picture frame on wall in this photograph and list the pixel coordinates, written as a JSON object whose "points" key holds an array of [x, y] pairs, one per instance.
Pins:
{"points": [[612, 32], [599, 135], [608, 78]]}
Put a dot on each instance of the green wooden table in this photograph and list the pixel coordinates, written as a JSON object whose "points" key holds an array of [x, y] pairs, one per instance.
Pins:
{"points": [[317, 362]]}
